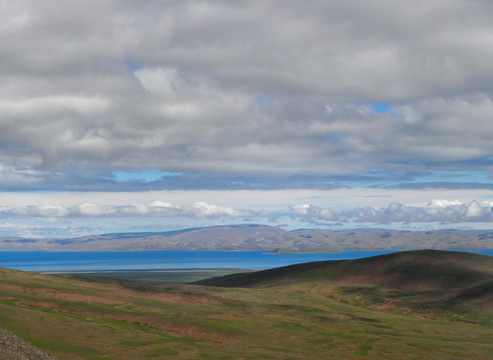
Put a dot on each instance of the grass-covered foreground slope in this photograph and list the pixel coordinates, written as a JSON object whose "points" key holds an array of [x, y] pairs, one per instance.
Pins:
{"points": [[313, 317]]}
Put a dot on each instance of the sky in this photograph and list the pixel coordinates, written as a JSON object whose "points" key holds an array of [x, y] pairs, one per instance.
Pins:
{"points": [[156, 115]]}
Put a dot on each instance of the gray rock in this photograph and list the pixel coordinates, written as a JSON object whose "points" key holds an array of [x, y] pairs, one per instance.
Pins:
{"points": [[13, 347]]}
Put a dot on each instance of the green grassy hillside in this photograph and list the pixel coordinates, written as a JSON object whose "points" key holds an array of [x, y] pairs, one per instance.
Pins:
{"points": [[425, 278], [421, 267], [363, 314]]}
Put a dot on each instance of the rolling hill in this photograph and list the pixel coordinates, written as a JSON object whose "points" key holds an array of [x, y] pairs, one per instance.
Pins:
{"points": [[260, 238], [412, 305], [427, 267], [429, 278]]}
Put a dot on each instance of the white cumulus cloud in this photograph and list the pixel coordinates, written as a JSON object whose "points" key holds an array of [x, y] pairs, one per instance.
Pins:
{"points": [[155, 208], [442, 203]]}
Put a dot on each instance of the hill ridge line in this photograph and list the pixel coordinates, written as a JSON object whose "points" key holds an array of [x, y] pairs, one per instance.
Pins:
{"points": [[255, 237]]}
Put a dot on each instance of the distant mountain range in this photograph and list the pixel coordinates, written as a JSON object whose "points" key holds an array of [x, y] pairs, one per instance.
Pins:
{"points": [[260, 237]]}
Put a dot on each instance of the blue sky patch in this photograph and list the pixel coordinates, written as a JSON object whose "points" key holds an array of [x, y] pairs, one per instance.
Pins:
{"points": [[381, 108], [130, 65], [142, 175], [456, 177]]}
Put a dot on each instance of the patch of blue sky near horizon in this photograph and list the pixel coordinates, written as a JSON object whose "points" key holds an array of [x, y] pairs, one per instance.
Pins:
{"points": [[60, 228], [351, 225], [54, 228], [49, 228], [144, 176], [478, 177], [371, 178], [380, 178]]}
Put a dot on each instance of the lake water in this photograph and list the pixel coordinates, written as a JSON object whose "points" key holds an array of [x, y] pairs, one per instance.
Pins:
{"points": [[149, 260]]}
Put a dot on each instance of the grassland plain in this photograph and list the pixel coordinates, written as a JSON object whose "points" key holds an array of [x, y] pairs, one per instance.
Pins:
{"points": [[313, 316]]}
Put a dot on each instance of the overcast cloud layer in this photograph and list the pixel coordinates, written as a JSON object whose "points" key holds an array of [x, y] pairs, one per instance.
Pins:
{"points": [[114, 95]]}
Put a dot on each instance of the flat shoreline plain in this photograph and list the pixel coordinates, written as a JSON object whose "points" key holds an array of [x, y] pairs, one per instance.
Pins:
{"points": [[156, 276]]}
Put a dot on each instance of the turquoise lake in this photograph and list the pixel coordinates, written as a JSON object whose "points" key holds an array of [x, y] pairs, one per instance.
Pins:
{"points": [[148, 260]]}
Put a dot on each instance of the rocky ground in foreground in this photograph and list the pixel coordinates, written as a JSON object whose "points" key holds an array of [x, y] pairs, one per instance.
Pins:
{"points": [[14, 348]]}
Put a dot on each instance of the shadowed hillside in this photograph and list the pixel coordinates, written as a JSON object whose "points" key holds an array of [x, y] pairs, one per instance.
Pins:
{"points": [[430, 276], [425, 267]]}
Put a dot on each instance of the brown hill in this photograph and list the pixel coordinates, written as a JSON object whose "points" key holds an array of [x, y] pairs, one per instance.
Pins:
{"points": [[261, 237]]}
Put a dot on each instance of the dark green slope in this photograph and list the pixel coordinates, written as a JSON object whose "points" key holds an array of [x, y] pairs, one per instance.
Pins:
{"points": [[424, 280], [422, 268]]}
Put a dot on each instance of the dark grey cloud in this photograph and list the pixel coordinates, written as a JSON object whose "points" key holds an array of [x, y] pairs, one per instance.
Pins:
{"points": [[255, 91]]}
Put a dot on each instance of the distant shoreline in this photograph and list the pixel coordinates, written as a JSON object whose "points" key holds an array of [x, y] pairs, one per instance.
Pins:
{"points": [[140, 271], [156, 276]]}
